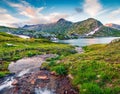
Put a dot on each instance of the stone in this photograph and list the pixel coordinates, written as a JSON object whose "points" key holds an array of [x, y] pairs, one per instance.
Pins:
{"points": [[43, 77], [53, 73], [15, 82], [32, 82]]}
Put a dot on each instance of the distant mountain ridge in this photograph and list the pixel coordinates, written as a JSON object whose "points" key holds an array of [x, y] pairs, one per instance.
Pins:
{"points": [[51, 27], [63, 29], [116, 26]]}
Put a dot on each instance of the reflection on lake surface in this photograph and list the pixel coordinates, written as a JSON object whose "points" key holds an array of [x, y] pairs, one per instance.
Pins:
{"points": [[88, 41]]}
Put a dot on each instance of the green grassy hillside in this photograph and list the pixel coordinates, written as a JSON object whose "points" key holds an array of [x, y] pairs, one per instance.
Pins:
{"points": [[85, 26], [107, 32], [13, 48], [96, 71]]}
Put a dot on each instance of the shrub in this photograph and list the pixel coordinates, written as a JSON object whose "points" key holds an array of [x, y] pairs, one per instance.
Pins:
{"points": [[51, 63], [59, 69], [30, 54]]}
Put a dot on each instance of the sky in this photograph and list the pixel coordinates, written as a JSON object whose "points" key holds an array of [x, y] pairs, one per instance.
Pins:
{"points": [[17, 13]]}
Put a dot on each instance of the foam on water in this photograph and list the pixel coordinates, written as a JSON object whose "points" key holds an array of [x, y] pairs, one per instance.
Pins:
{"points": [[25, 71], [43, 91], [7, 83]]}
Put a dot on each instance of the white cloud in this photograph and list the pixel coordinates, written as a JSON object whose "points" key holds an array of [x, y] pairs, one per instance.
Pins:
{"points": [[92, 7], [43, 19], [34, 14], [114, 16], [7, 19], [115, 13], [110, 16], [27, 10]]}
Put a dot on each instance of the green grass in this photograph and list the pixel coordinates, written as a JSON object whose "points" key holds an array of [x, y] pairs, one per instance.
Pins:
{"points": [[96, 71], [59, 69], [3, 68], [13, 48]]}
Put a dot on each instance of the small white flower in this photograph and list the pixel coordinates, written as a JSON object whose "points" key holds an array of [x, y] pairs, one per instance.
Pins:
{"points": [[98, 76]]}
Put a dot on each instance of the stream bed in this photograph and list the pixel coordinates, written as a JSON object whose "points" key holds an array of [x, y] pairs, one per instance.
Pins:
{"points": [[19, 69], [27, 78]]}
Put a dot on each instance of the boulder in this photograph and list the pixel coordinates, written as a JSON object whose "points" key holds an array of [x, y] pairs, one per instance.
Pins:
{"points": [[15, 82]]}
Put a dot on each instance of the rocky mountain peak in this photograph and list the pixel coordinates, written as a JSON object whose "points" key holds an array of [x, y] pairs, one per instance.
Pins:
{"points": [[61, 20]]}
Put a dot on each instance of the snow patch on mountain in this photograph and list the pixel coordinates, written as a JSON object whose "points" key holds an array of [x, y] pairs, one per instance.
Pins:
{"points": [[94, 31]]}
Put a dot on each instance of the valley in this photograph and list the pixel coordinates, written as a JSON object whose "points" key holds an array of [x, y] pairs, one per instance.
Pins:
{"points": [[60, 58], [59, 46], [41, 66]]}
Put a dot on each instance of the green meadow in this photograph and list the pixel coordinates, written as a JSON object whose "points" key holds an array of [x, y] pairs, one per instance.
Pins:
{"points": [[96, 71], [13, 48]]}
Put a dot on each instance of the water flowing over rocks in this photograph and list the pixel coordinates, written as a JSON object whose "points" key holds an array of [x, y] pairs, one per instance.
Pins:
{"points": [[41, 82], [32, 80], [28, 63]]}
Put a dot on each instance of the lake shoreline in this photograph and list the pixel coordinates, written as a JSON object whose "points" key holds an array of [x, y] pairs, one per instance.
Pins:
{"points": [[87, 41]]}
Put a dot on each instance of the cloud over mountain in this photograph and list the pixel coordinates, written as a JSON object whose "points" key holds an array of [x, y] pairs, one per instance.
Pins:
{"points": [[92, 7], [29, 14], [21, 12]]}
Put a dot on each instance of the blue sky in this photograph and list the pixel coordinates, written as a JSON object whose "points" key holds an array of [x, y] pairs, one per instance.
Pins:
{"points": [[20, 12]]}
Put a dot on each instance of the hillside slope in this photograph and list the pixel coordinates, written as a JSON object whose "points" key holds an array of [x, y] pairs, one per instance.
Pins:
{"points": [[13, 48], [86, 26], [60, 26], [107, 32], [96, 71]]}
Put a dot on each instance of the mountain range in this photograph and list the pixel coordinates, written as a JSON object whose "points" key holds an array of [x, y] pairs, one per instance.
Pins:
{"points": [[116, 26], [64, 29]]}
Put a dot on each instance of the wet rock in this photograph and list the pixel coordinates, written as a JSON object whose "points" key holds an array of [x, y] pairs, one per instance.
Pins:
{"points": [[33, 82], [43, 77], [43, 80], [28, 63], [15, 82], [53, 73], [65, 92]]}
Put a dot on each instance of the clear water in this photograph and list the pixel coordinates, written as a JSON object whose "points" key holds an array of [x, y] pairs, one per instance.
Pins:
{"points": [[88, 41]]}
